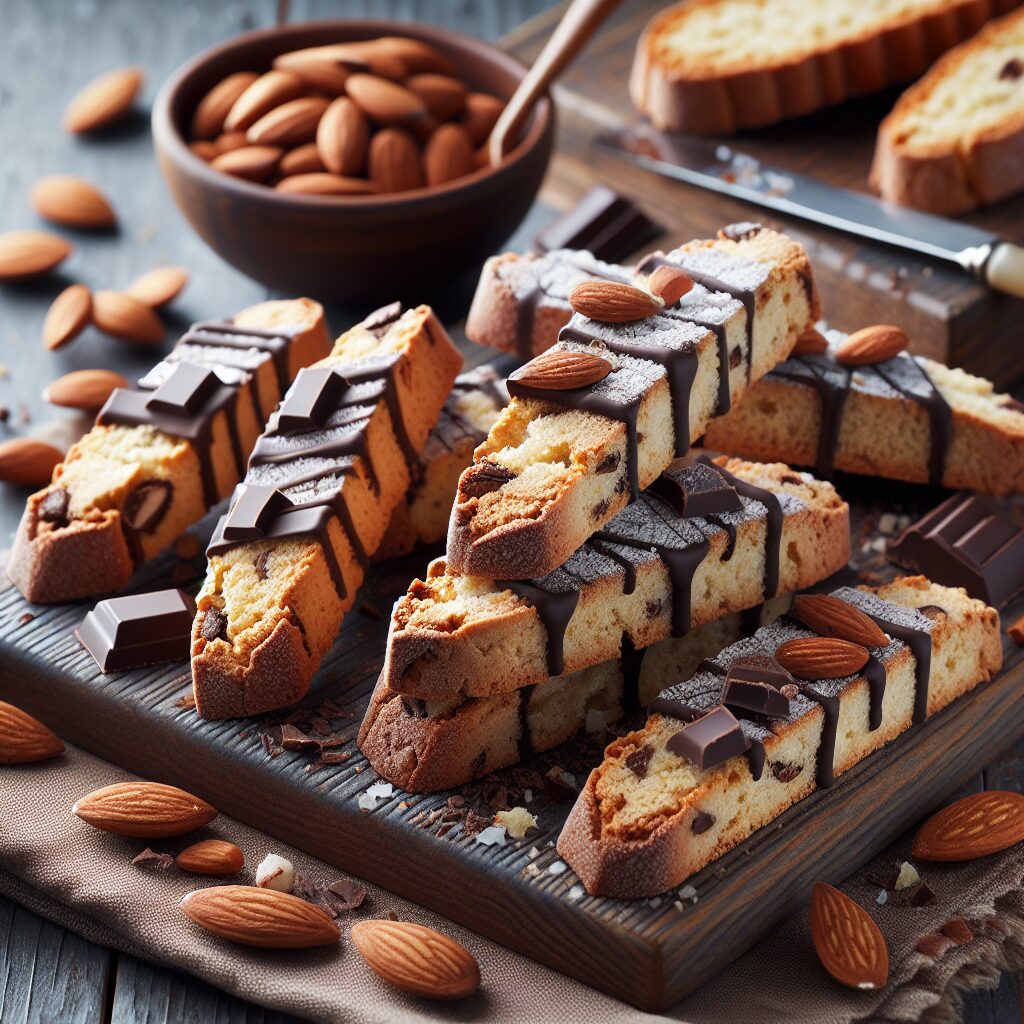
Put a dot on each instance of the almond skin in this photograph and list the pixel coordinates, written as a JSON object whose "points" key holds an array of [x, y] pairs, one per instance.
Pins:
{"points": [[27, 462], [254, 163], [158, 287], [831, 616], [260, 917], [290, 124], [975, 826], [481, 113], [416, 959], [555, 370], [811, 343], [268, 91], [67, 316], [818, 657], [71, 201], [84, 389], [448, 155], [104, 100], [208, 120], [444, 96], [24, 739], [301, 160], [124, 317], [146, 810], [318, 67], [323, 184], [670, 284], [27, 253], [413, 53], [848, 943], [394, 161], [872, 345], [612, 302], [386, 102], [343, 137], [211, 857], [228, 141]]}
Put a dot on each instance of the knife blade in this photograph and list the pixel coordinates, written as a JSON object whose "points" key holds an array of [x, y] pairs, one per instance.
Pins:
{"points": [[720, 168]]}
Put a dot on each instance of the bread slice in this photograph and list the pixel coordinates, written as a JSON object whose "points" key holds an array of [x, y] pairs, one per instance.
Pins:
{"points": [[652, 573], [334, 462], [477, 398], [559, 464], [649, 818], [425, 745], [908, 418], [955, 139], [150, 468], [713, 67]]}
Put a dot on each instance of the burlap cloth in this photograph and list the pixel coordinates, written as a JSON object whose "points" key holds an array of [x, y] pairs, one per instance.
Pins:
{"points": [[57, 866]]}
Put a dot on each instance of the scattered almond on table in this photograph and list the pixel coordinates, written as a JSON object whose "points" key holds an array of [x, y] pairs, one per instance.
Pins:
{"points": [[67, 316], [973, 827], [27, 462], [84, 389], [72, 202], [24, 739], [103, 101], [215, 857], [29, 253], [849, 944], [144, 809]]}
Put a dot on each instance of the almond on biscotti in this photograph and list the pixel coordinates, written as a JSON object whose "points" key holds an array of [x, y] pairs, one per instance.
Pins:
{"points": [[613, 302], [849, 944], [811, 343], [556, 370], [872, 345], [819, 657], [831, 616], [670, 284], [24, 739]]}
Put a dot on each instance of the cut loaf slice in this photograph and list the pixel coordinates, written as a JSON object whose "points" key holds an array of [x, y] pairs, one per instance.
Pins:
{"points": [[649, 817], [163, 454], [955, 139], [657, 570]]}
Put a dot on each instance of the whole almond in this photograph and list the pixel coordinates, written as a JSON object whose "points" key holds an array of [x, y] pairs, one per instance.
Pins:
{"points": [[320, 70], [84, 389], [71, 201], [67, 316], [556, 370], [290, 124], [125, 317], [819, 657], [975, 826], [343, 137], [394, 161], [158, 287], [28, 462], [414, 53], [444, 96], [872, 345], [811, 343], [449, 155], [848, 943], [27, 253], [227, 141], [204, 150], [208, 120], [211, 857], [480, 115], [613, 302], [324, 184], [670, 284], [24, 739], [386, 102], [104, 100], [260, 917], [268, 91], [146, 810], [301, 160], [834, 617], [416, 959], [254, 163]]}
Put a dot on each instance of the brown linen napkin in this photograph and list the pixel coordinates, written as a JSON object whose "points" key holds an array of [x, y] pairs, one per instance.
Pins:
{"points": [[68, 872]]}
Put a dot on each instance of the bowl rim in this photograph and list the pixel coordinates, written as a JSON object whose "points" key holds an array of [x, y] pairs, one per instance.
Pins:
{"points": [[168, 138]]}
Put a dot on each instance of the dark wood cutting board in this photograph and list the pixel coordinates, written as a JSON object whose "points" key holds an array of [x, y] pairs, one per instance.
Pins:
{"points": [[948, 315]]}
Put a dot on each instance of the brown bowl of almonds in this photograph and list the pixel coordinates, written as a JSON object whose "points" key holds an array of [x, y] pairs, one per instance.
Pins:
{"points": [[343, 160]]}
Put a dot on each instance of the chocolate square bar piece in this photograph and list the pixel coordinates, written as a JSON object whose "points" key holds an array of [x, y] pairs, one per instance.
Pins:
{"points": [[696, 490], [253, 511], [310, 399], [755, 683], [711, 740], [184, 391]]}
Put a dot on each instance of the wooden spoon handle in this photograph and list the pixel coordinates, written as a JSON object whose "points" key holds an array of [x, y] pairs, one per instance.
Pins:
{"points": [[573, 32]]}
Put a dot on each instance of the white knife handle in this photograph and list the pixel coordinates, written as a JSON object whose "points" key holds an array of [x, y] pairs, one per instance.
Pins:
{"points": [[1004, 269]]}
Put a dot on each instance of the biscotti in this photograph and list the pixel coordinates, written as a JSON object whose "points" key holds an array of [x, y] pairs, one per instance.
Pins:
{"points": [[955, 139], [477, 397], [336, 459], [649, 816], [425, 745], [907, 418], [712, 67], [704, 541], [560, 463], [161, 455]]}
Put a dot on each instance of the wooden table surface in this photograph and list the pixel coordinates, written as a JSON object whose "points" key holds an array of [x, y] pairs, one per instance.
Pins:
{"points": [[47, 49]]}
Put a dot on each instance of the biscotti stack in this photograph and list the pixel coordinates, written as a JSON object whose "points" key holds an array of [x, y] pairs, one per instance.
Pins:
{"points": [[767, 721], [337, 458], [162, 454]]}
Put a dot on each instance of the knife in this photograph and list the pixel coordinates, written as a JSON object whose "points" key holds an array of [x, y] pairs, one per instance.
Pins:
{"points": [[719, 168]]}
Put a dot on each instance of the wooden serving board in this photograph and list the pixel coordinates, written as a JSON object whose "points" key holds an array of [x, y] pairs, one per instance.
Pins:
{"points": [[647, 952]]}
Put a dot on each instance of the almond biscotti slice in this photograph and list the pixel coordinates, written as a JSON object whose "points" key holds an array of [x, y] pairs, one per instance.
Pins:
{"points": [[908, 418], [163, 454], [336, 459], [425, 745], [563, 458], [701, 776], [704, 541], [477, 398]]}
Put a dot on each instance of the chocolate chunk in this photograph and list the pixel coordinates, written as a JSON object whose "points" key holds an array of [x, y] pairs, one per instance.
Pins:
{"points": [[215, 625], [381, 319], [414, 707], [932, 945], [710, 740], [483, 479], [1013, 405], [735, 357], [639, 760], [920, 895], [255, 508], [785, 772], [966, 542], [754, 683], [696, 490], [652, 609], [260, 565], [184, 391], [146, 506], [600, 510], [310, 399], [1012, 69], [351, 892], [143, 629], [702, 821], [150, 858], [293, 738], [54, 507], [608, 464], [957, 930], [672, 708], [789, 691]]}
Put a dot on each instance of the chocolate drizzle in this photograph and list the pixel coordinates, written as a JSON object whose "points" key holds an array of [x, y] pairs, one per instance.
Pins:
{"points": [[555, 606]]}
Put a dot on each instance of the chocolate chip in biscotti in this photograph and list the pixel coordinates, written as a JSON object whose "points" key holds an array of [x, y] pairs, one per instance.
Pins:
{"points": [[215, 625], [147, 505], [639, 761], [484, 479], [702, 821], [54, 507], [785, 772], [260, 565]]}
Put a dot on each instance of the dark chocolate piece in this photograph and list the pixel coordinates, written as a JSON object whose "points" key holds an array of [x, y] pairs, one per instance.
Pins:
{"points": [[126, 632], [310, 398], [1011, 70], [215, 625], [184, 391], [702, 821], [754, 683], [711, 740], [639, 760], [54, 507], [696, 490], [381, 319], [146, 506], [254, 508]]}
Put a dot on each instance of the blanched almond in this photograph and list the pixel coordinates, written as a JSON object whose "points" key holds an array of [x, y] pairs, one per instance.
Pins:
{"points": [[84, 389], [254, 163], [158, 287], [208, 120], [71, 201], [290, 124], [124, 317], [103, 101], [27, 253], [343, 137], [268, 91], [449, 154], [67, 316]]}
